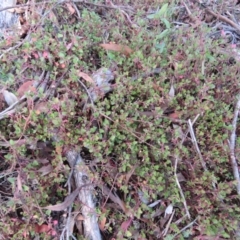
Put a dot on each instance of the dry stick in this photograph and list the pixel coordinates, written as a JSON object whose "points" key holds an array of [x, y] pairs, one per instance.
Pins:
{"points": [[185, 135], [180, 189], [189, 225], [224, 19], [198, 149], [88, 93], [61, 1], [81, 176], [164, 233], [196, 145], [232, 144]]}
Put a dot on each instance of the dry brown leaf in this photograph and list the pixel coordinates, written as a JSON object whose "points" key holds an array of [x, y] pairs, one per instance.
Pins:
{"points": [[174, 115], [41, 108], [118, 48], [102, 223], [25, 88], [181, 178], [67, 202], [130, 173], [44, 228], [19, 183], [86, 77], [59, 150], [70, 8], [78, 222], [80, 217], [45, 169]]}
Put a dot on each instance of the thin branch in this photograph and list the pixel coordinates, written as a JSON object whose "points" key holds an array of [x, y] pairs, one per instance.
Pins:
{"points": [[183, 229], [88, 93], [164, 233], [199, 152], [224, 19], [185, 135], [180, 189], [60, 2], [232, 144], [194, 140]]}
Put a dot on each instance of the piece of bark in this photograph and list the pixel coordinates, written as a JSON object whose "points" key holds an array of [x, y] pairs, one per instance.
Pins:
{"points": [[81, 177], [8, 20]]}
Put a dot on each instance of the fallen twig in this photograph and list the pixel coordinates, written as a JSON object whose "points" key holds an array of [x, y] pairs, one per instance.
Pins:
{"points": [[186, 227], [232, 144], [224, 19], [164, 233], [194, 140], [81, 176], [180, 189]]}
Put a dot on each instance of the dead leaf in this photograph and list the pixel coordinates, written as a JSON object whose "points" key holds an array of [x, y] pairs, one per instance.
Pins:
{"points": [[19, 183], [181, 178], [130, 173], [25, 88], [41, 108], [171, 92], [80, 217], [45, 169], [125, 225], [168, 210], [78, 222], [174, 115], [86, 77], [59, 150], [70, 8], [9, 97], [102, 223], [102, 220], [117, 48], [114, 198], [44, 228], [67, 202], [53, 18]]}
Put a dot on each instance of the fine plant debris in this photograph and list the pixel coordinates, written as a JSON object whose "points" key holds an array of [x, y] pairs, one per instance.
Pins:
{"points": [[119, 119]]}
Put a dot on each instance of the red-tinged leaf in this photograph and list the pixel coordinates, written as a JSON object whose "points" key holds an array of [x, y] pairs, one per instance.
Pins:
{"points": [[174, 115], [25, 88], [86, 77], [35, 55], [62, 65], [67, 202], [44, 228], [55, 222], [45, 54], [25, 234], [125, 225], [117, 48]]}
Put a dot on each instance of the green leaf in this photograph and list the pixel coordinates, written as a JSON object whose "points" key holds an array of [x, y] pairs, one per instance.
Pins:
{"points": [[160, 47], [160, 13], [166, 22], [162, 34]]}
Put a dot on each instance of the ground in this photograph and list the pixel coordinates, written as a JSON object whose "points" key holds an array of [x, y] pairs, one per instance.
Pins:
{"points": [[142, 99]]}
